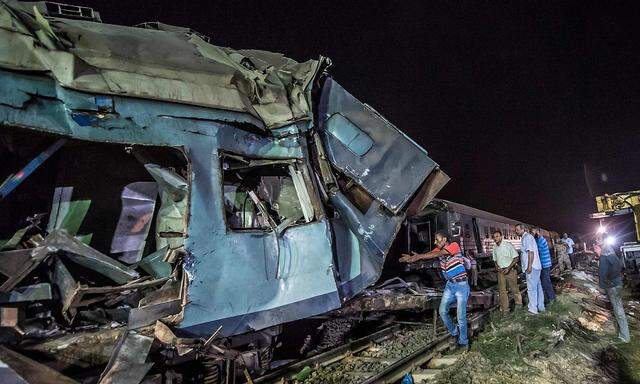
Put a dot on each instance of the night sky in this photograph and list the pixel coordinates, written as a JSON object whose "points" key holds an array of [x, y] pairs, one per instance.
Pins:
{"points": [[513, 101]]}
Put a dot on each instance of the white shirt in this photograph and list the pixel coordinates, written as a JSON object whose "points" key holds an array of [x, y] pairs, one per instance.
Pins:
{"points": [[569, 243], [529, 244]]}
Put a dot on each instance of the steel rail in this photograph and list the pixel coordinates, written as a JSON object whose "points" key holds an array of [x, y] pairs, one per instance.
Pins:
{"points": [[330, 356]]}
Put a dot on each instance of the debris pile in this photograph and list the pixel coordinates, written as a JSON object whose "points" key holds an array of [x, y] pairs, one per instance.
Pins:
{"points": [[64, 301], [574, 341], [71, 311]]}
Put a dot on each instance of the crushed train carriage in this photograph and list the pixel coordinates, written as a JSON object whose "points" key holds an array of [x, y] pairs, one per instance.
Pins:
{"points": [[253, 189]]}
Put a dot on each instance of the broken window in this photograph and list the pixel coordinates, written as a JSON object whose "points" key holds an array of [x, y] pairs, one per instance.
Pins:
{"points": [[264, 194], [114, 198]]}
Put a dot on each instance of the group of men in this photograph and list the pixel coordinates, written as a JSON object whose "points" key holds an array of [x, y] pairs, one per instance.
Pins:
{"points": [[535, 262]]}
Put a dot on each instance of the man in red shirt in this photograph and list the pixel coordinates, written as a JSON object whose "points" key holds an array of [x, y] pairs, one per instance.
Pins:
{"points": [[457, 288]]}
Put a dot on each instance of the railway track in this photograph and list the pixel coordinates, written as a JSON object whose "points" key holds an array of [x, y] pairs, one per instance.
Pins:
{"points": [[382, 357]]}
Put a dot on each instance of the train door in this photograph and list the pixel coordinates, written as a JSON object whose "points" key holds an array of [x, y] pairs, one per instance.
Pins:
{"points": [[381, 173]]}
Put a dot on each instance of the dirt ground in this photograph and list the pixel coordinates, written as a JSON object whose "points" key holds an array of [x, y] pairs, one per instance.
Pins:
{"points": [[574, 341]]}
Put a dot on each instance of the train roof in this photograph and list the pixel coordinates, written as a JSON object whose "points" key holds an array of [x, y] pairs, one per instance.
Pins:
{"points": [[465, 209], [155, 61]]}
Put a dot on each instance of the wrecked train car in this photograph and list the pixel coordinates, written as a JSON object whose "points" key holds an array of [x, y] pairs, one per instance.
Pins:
{"points": [[252, 188], [473, 228]]}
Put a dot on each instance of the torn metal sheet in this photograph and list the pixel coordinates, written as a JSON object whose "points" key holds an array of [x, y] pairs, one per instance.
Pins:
{"points": [[80, 349], [80, 253], [138, 205], [61, 196], [128, 360], [174, 193], [16, 265], [77, 295], [15, 240], [391, 169], [164, 334], [158, 304], [28, 293], [68, 215], [155, 264], [30, 370], [302, 192], [181, 68]]}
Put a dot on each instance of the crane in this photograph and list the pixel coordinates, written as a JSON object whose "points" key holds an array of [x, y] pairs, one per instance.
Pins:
{"points": [[617, 204]]}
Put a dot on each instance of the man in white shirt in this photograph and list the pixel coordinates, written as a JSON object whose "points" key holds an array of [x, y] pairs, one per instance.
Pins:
{"points": [[531, 266], [569, 242]]}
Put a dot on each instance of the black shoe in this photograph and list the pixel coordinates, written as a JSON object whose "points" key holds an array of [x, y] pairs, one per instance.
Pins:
{"points": [[462, 348]]}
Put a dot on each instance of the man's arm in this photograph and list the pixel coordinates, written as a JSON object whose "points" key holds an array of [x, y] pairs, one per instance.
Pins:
{"points": [[430, 255], [530, 265], [423, 256]]}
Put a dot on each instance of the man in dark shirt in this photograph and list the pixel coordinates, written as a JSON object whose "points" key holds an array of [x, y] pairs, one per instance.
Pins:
{"points": [[610, 272], [457, 288]]}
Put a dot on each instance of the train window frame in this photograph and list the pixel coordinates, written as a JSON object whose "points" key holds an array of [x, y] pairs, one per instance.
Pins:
{"points": [[349, 134], [266, 213]]}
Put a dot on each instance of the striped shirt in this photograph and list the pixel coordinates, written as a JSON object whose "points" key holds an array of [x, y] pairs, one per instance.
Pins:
{"points": [[543, 251], [452, 264]]}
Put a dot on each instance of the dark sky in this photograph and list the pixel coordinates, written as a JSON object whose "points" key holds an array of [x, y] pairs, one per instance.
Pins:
{"points": [[513, 100]]}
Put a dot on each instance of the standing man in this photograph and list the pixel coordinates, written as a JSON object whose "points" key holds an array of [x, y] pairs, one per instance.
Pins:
{"points": [[545, 261], [457, 287], [563, 257], [530, 262], [610, 273], [506, 257], [569, 242]]}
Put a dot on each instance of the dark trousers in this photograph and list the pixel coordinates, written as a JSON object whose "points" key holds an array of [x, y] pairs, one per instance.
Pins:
{"points": [[547, 287]]}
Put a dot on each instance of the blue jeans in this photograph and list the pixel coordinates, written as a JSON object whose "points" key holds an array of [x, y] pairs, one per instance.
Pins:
{"points": [[618, 312], [458, 292], [547, 287], [534, 291]]}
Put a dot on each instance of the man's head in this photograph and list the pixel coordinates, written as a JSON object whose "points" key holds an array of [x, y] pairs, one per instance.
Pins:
{"points": [[520, 229], [535, 230], [442, 238], [564, 236], [497, 237]]}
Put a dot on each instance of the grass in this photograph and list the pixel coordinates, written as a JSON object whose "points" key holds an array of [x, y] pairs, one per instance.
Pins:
{"points": [[499, 341]]}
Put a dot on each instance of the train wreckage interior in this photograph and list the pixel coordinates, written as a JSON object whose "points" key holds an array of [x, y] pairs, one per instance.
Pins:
{"points": [[189, 213]]}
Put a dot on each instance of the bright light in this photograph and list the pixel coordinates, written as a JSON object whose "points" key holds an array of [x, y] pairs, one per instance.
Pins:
{"points": [[601, 229], [610, 240]]}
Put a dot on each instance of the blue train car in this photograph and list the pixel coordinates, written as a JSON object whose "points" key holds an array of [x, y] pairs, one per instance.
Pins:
{"points": [[279, 191]]}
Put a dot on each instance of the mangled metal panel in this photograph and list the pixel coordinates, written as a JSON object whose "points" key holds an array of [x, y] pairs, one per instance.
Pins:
{"points": [[30, 370], [138, 205], [82, 254], [16, 265], [389, 171], [174, 66], [240, 280], [128, 361], [368, 149], [171, 221], [28, 293]]}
